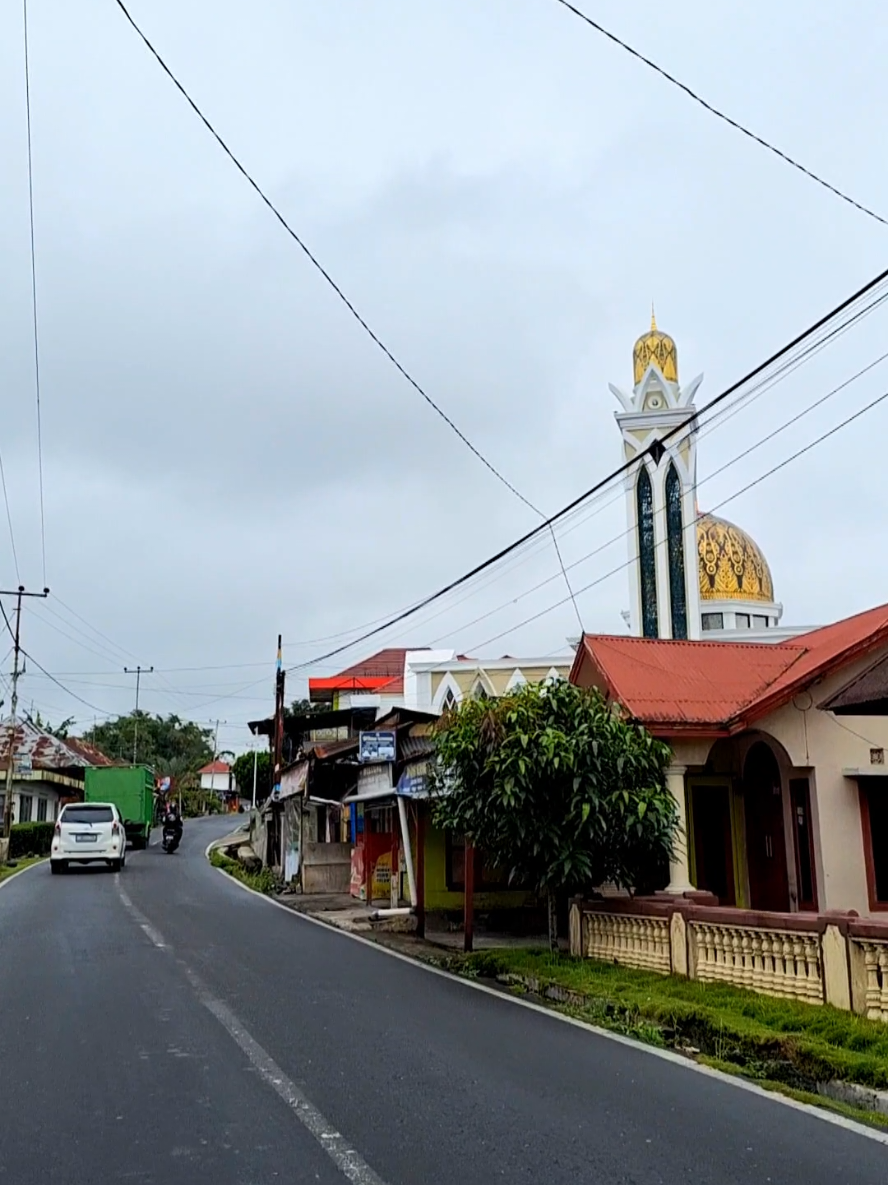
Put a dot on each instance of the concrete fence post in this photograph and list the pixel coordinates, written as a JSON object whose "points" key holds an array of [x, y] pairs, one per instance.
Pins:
{"points": [[836, 967], [678, 943], [576, 928]]}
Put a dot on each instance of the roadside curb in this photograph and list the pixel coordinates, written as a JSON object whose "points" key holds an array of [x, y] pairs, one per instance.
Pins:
{"points": [[20, 871], [668, 1055]]}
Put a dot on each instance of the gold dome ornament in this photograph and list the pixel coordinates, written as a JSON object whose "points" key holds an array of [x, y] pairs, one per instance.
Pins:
{"points": [[658, 348], [731, 564]]}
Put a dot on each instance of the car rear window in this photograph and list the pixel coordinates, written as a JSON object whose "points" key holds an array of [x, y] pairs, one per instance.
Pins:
{"points": [[87, 814]]}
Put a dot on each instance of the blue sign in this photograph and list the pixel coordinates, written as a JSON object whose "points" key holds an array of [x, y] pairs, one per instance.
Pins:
{"points": [[413, 785], [376, 746]]}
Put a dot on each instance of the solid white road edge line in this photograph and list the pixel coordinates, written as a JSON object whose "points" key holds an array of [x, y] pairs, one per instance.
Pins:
{"points": [[349, 1162], [13, 875], [668, 1055]]}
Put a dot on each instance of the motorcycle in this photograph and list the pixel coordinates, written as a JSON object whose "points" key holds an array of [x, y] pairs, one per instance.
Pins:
{"points": [[171, 837]]}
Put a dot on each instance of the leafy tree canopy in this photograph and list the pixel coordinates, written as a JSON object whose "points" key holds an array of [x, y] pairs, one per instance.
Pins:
{"points": [[556, 786], [305, 707], [61, 730], [243, 772], [170, 745]]}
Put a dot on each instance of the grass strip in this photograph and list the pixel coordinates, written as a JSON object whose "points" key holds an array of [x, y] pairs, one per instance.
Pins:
{"points": [[7, 870], [783, 1043], [263, 881]]}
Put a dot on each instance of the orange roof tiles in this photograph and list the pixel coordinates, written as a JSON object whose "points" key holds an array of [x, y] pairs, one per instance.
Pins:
{"points": [[719, 686]]}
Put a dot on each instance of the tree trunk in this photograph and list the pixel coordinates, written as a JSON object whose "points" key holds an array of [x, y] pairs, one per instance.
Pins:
{"points": [[552, 903]]}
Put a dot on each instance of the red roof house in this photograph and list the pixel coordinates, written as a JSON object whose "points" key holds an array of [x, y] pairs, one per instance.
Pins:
{"points": [[382, 674], [783, 804]]}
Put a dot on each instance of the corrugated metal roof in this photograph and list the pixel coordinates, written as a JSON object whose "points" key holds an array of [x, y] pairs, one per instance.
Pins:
{"points": [[46, 751], [720, 685], [383, 671]]}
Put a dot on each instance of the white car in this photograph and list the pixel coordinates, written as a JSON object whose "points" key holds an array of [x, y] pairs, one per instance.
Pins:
{"points": [[88, 832]]}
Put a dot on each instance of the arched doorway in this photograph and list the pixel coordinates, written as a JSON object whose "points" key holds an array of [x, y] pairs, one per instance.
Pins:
{"points": [[765, 834]]}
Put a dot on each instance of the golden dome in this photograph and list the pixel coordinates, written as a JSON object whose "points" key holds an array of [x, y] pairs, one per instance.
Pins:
{"points": [[657, 347], [732, 567]]}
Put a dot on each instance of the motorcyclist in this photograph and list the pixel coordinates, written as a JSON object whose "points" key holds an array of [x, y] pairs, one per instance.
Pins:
{"points": [[173, 820]]}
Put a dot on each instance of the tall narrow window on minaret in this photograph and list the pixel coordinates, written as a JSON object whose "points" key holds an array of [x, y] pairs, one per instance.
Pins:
{"points": [[646, 559], [678, 596]]}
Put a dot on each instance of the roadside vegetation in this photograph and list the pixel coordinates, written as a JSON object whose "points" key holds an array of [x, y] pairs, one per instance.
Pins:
{"points": [[784, 1044], [7, 870], [263, 881], [557, 789]]}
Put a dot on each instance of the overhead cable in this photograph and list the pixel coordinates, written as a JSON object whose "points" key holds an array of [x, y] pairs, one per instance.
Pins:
{"points": [[690, 421], [735, 124]]}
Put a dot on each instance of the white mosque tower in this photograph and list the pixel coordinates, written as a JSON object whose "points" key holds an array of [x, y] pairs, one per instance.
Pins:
{"points": [[690, 575]]}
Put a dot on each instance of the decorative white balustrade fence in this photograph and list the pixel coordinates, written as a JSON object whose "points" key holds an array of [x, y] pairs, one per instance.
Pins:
{"points": [[836, 959]]}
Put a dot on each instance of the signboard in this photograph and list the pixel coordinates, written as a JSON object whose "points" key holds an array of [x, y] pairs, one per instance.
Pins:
{"points": [[376, 746], [356, 884], [22, 763], [380, 885], [413, 784]]}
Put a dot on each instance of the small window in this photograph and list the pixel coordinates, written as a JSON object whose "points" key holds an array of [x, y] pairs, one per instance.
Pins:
{"points": [[759, 623], [742, 621], [449, 701], [713, 621], [25, 803], [41, 810]]}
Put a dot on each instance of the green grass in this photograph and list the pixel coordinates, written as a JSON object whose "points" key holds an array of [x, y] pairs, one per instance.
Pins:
{"points": [[7, 870], [262, 882], [779, 1043]]}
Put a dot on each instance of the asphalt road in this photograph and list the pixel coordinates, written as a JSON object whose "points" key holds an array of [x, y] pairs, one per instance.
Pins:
{"points": [[163, 1027]]}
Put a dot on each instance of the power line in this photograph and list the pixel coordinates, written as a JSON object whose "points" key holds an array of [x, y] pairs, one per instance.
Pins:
{"points": [[689, 422], [693, 523], [739, 127], [319, 266], [58, 683], [345, 300], [9, 520], [721, 469], [34, 287]]}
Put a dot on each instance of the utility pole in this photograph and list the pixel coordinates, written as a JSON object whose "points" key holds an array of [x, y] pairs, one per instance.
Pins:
{"points": [[19, 593], [278, 748], [137, 671], [213, 762], [278, 723], [255, 770]]}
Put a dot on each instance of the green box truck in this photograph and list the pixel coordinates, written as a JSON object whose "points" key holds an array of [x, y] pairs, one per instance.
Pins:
{"points": [[131, 789]]}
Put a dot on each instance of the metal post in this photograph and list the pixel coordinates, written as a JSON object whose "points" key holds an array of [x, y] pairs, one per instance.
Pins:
{"points": [[138, 673], [13, 705], [255, 771]]}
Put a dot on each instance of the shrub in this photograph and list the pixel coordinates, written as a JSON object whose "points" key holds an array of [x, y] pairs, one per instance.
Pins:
{"points": [[30, 839]]}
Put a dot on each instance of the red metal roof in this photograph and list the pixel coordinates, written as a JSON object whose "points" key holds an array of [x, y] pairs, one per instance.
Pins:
{"points": [[46, 751], [383, 670], [719, 686], [216, 767]]}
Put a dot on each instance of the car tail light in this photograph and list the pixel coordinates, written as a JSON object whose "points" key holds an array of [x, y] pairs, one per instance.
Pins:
{"points": [[58, 829], [115, 828]]}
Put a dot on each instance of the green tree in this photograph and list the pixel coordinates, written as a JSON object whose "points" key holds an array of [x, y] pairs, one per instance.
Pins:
{"points": [[556, 786], [61, 730], [304, 707], [243, 772], [170, 745]]}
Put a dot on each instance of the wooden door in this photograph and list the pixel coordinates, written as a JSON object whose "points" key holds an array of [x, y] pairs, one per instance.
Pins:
{"points": [[803, 843], [765, 833]]}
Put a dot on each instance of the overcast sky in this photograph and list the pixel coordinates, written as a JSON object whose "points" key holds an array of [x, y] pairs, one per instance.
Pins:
{"points": [[502, 193]]}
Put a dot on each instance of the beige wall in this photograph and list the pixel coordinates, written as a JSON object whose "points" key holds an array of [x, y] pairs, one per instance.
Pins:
{"points": [[820, 745], [495, 681]]}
